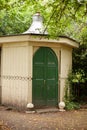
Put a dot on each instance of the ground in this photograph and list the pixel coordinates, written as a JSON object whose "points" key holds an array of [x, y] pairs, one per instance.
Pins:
{"points": [[67, 120]]}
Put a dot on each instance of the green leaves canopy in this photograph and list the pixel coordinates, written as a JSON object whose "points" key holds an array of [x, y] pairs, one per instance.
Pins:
{"points": [[61, 17]]}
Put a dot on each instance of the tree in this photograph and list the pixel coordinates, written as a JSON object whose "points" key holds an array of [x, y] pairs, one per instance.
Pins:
{"points": [[61, 17]]}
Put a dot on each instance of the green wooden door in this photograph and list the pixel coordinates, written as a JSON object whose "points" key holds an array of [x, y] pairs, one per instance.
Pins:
{"points": [[45, 78]]}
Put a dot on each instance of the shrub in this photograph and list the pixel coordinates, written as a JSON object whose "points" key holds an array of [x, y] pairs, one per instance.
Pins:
{"points": [[69, 98], [72, 105]]}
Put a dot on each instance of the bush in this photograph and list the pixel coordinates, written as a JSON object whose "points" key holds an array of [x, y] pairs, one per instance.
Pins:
{"points": [[72, 105], [69, 98]]}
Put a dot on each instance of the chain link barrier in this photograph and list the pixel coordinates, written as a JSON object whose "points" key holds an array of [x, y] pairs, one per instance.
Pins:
{"points": [[8, 77]]}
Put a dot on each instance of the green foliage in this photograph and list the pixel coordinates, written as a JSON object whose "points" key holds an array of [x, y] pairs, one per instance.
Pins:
{"points": [[69, 98], [72, 105], [78, 77], [16, 17], [80, 64], [68, 89], [61, 17]]}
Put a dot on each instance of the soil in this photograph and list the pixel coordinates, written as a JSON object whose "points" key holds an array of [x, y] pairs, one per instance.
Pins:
{"points": [[67, 120]]}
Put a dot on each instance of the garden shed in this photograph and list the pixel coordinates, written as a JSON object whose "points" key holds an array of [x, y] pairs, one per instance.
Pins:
{"points": [[34, 69]]}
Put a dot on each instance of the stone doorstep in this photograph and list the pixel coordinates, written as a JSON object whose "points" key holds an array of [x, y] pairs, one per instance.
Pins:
{"points": [[37, 110], [47, 110], [30, 112]]}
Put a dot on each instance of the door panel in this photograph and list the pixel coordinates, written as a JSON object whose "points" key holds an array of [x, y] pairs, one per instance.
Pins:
{"points": [[45, 78], [51, 86], [38, 85]]}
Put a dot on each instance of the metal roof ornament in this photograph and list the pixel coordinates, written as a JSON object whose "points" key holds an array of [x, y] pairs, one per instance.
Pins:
{"points": [[37, 26]]}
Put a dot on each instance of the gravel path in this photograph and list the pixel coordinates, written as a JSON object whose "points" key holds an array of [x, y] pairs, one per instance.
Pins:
{"points": [[68, 120]]}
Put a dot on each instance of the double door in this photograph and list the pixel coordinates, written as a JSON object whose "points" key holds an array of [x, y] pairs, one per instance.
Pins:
{"points": [[45, 78]]}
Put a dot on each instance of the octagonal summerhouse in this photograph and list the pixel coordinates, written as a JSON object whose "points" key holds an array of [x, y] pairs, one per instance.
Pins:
{"points": [[34, 69]]}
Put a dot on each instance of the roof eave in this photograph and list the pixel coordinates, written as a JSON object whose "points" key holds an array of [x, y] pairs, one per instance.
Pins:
{"points": [[38, 38]]}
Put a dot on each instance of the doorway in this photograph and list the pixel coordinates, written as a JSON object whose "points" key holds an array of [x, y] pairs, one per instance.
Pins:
{"points": [[45, 77]]}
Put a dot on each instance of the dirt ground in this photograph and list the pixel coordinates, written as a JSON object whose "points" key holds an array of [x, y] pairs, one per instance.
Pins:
{"points": [[68, 120]]}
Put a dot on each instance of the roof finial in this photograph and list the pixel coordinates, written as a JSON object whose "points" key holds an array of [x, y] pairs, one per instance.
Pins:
{"points": [[37, 26]]}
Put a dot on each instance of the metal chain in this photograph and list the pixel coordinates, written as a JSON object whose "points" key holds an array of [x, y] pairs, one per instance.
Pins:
{"points": [[9, 77]]}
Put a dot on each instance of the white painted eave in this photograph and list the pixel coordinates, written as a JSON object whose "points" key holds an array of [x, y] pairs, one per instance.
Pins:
{"points": [[38, 38]]}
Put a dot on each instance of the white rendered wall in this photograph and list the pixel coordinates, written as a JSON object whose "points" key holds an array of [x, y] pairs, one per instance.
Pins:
{"points": [[16, 74], [66, 65]]}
